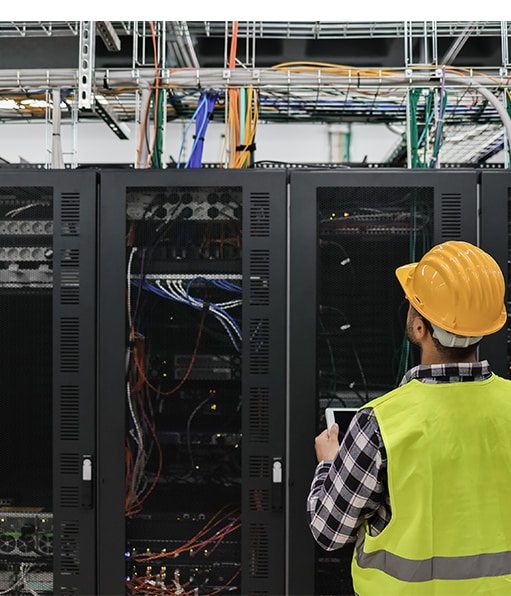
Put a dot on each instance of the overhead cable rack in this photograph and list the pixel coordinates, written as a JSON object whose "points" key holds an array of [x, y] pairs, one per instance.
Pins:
{"points": [[340, 29]]}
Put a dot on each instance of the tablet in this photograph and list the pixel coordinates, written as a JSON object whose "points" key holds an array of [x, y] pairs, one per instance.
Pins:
{"points": [[342, 416]]}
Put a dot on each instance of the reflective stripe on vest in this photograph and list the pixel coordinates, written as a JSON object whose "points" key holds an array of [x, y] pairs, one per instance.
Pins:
{"points": [[409, 570]]}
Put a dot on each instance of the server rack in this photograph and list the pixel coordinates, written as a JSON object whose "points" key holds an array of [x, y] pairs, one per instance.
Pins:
{"points": [[47, 319], [348, 231], [496, 239], [195, 512]]}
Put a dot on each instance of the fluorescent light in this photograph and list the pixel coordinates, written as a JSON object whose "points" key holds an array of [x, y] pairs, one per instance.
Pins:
{"points": [[35, 103], [9, 104]]}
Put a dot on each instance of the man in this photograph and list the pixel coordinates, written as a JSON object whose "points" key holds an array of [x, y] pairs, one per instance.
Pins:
{"points": [[422, 479]]}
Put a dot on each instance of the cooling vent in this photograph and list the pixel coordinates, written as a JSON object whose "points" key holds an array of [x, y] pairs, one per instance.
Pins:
{"points": [[259, 346], [259, 466], [259, 499], [259, 415], [259, 215], [259, 548], [69, 463], [69, 413], [69, 344], [259, 277], [451, 217], [70, 276], [70, 214], [69, 496], [69, 548]]}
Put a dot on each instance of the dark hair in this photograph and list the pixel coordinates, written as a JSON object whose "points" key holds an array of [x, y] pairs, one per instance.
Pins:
{"points": [[452, 354]]}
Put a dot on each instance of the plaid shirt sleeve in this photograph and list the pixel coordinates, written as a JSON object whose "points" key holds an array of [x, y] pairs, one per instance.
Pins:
{"points": [[352, 487]]}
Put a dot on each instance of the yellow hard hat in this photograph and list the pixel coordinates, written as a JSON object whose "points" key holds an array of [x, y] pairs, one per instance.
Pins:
{"points": [[458, 287]]}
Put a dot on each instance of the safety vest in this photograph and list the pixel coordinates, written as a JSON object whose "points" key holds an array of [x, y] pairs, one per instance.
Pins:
{"points": [[449, 479]]}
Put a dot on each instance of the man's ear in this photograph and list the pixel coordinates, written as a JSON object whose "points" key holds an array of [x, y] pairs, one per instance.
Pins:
{"points": [[420, 328]]}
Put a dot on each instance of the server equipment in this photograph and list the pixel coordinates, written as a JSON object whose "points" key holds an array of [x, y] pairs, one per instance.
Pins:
{"points": [[191, 411], [349, 230], [47, 318]]}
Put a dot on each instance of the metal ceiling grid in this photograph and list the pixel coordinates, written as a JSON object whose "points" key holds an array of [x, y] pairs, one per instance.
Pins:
{"points": [[290, 92], [340, 29]]}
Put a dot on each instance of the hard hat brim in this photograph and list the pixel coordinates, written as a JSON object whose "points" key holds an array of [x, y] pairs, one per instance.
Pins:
{"points": [[404, 277]]}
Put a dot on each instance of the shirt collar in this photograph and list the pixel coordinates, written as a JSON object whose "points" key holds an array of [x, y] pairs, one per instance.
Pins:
{"points": [[456, 372]]}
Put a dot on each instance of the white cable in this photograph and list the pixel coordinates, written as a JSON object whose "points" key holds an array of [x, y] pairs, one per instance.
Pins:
{"points": [[213, 308], [138, 438], [14, 212], [128, 282], [25, 568], [176, 291]]}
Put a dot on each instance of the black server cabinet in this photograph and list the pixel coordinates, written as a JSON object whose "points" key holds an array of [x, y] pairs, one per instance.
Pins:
{"points": [[348, 232], [496, 239], [47, 320], [192, 299]]}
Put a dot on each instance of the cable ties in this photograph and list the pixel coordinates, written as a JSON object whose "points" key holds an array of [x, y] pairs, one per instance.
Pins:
{"points": [[251, 147], [205, 306]]}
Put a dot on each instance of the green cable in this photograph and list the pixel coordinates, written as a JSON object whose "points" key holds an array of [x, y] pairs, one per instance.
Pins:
{"points": [[242, 115], [413, 97], [156, 158], [438, 138]]}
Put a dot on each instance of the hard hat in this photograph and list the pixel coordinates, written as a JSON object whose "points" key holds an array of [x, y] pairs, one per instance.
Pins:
{"points": [[458, 287]]}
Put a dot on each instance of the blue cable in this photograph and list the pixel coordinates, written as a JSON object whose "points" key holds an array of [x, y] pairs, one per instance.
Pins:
{"points": [[200, 128], [192, 119], [212, 306], [207, 104], [226, 285]]}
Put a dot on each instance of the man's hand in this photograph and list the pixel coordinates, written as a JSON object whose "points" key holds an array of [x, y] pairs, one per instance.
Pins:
{"points": [[327, 443]]}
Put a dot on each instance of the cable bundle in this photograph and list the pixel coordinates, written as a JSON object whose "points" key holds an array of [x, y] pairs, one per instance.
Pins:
{"points": [[176, 290], [223, 523], [417, 142], [204, 538], [243, 114], [154, 151], [202, 116]]}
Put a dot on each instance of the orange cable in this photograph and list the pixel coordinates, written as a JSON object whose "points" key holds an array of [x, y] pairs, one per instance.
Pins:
{"points": [[141, 500], [141, 370]]}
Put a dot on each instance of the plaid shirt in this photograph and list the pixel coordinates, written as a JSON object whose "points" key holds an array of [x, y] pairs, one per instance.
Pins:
{"points": [[352, 487]]}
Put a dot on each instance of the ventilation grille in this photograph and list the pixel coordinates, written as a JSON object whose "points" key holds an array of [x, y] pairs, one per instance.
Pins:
{"points": [[259, 415], [69, 463], [69, 496], [259, 215], [260, 277], [259, 346], [69, 344], [70, 214], [258, 466], [69, 548], [70, 276], [259, 548], [451, 217], [69, 413], [259, 499]]}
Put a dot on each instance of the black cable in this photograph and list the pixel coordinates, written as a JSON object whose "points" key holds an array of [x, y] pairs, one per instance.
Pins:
{"points": [[188, 433]]}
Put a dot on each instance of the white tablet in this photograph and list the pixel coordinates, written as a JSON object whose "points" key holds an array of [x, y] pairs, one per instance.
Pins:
{"points": [[342, 416]]}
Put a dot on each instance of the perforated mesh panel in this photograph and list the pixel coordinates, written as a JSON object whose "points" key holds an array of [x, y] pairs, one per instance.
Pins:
{"points": [[364, 234]]}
